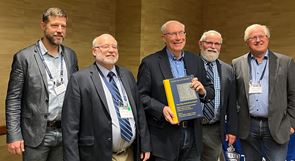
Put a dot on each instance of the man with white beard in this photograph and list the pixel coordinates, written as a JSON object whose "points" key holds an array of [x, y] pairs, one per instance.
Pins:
{"points": [[223, 108]]}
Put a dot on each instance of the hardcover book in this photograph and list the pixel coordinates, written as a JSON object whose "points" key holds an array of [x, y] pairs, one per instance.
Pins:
{"points": [[182, 99]]}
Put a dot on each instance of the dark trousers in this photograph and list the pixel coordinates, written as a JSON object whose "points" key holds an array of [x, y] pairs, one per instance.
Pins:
{"points": [[212, 145], [49, 150], [187, 151]]}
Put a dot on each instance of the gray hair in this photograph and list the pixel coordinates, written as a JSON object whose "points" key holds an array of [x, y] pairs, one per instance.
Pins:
{"points": [[205, 34], [164, 26], [254, 26], [55, 12]]}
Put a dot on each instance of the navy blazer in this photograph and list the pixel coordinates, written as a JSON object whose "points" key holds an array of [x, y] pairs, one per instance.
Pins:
{"points": [[152, 71]]}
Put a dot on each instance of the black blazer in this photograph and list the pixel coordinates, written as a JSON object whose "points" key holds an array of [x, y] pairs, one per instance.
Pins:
{"points": [[228, 106], [27, 95], [152, 71], [86, 121]]}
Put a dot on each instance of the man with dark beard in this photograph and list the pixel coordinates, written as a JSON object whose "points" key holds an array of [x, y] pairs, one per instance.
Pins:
{"points": [[223, 106], [36, 89]]}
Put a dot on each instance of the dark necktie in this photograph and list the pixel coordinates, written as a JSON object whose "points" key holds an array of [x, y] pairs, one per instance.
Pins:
{"points": [[209, 107], [125, 128]]}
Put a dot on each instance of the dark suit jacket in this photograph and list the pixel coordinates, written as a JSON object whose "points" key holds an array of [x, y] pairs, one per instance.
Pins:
{"points": [[281, 102], [27, 95], [228, 106], [86, 121], [152, 71]]}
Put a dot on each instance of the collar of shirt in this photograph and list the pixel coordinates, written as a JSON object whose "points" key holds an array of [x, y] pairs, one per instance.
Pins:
{"points": [[212, 63], [265, 56], [44, 51], [105, 71], [172, 57]]}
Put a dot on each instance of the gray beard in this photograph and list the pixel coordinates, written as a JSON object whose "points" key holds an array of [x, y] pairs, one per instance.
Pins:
{"points": [[209, 56]]}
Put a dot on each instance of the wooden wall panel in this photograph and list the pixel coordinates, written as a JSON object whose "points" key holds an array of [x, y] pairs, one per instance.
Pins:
{"points": [[128, 25], [231, 18], [156, 13], [19, 27]]}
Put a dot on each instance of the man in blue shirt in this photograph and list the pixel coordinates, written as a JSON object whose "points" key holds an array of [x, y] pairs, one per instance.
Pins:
{"points": [[266, 97], [170, 141]]}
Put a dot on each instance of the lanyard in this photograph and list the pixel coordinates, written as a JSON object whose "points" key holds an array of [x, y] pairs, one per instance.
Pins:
{"points": [[107, 83], [250, 67], [46, 67]]}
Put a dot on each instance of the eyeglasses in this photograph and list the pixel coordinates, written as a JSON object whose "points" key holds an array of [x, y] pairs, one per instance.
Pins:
{"points": [[174, 34], [218, 44], [107, 47], [256, 38]]}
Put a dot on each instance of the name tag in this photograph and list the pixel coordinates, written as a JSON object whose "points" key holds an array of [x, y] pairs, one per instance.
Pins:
{"points": [[255, 88], [125, 111], [59, 88]]}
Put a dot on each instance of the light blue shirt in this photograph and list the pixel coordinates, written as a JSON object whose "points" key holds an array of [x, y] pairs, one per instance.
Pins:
{"points": [[217, 89], [54, 65], [258, 102], [176, 65], [118, 143]]}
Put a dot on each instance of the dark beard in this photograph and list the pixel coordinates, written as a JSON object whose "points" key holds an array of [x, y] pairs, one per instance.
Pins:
{"points": [[51, 40]]}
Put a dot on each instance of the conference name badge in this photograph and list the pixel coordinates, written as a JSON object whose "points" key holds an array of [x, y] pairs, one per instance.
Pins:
{"points": [[255, 88], [125, 111], [59, 88]]}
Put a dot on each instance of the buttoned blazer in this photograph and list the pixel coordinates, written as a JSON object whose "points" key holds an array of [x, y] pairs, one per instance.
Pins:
{"points": [[165, 138], [86, 119], [281, 110], [27, 95]]}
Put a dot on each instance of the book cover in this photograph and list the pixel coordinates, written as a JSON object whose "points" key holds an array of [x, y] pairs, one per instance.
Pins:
{"points": [[182, 99]]}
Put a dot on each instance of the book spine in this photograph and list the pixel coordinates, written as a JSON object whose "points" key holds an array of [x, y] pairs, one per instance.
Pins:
{"points": [[170, 100]]}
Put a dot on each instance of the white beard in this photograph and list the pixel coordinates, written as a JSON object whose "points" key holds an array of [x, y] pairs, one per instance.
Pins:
{"points": [[107, 61], [210, 56]]}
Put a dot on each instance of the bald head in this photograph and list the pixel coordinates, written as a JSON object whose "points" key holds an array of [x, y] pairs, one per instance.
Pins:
{"points": [[102, 39], [169, 23], [105, 50]]}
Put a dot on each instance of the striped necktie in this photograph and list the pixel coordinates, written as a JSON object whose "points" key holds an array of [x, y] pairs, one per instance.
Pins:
{"points": [[125, 128], [208, 110]]}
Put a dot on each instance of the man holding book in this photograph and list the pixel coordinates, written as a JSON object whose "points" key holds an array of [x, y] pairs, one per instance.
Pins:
{"points": [[172, 141]]}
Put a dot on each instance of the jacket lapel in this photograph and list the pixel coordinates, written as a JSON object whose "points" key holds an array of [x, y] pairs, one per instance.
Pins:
{"points": [[246, 72], [67, 61], [165, 65], [273, 69], [127, 88], [41, 67], [98, 86]]}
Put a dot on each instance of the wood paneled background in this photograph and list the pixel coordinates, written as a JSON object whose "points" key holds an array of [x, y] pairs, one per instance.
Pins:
{"points": [[136, 25]]}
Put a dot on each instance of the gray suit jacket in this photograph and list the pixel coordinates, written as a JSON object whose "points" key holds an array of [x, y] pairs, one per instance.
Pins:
{"points": [[27, 95], [281, 108]]}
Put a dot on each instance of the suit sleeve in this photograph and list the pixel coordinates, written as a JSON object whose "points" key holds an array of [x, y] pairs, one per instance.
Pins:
{"points": [[14, 100], [143, 127], [291, 93], [144, 78], [71, 120]]}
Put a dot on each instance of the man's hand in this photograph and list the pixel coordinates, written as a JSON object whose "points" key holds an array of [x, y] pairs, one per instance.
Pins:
{"points": [[198, 86], [145, 156], [291, 130], [230, 138], [168, 114], [16, 147]]}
